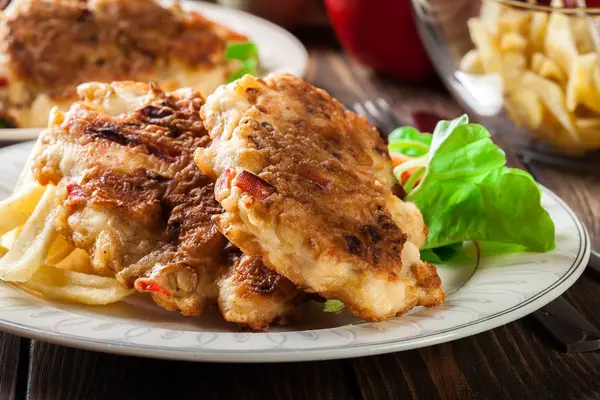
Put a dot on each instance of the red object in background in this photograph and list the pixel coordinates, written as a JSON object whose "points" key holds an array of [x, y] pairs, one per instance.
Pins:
{"points": [[383, 35], [573, 3]]}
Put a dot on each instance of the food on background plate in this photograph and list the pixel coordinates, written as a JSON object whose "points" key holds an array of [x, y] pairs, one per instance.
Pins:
{"points": [[550, 71], [48, 47], [307, 186], [122, 186]]}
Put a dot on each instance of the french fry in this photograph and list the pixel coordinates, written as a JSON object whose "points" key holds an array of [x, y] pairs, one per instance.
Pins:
{"points": [[15, 210], [65, 285], [33, 243]]}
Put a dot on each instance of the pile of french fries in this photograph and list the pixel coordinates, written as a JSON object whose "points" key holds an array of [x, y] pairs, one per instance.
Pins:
{"points": [[549, 67], [35, 256]]}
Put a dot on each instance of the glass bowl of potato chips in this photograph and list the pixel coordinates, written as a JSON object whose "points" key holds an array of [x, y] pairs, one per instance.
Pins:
{"points": [[536, 64]]}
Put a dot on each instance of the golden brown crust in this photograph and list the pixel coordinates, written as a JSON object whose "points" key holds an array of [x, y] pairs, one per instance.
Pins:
{"points": [[252, 274], [134, 198], [253, 295], [55, 44], [143, 210], [307, 186]]}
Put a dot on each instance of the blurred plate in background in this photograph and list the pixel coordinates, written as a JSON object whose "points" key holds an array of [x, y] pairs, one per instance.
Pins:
{"points": [[279, 50]]}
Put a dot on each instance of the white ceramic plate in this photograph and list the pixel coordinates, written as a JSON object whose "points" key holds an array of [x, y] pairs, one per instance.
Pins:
{"points": [[279, 50], [501, 290]]}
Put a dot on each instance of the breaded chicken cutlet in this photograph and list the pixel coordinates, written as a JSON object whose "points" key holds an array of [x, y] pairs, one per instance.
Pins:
{"points": [[48, 47], [307, 186], [137, 203]]}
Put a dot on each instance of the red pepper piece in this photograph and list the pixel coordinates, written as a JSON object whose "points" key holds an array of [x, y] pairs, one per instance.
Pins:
{"points": [[148, 285], [75, 193], [253, 185]]}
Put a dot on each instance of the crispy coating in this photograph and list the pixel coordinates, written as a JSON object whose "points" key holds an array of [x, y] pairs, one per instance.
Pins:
{"points": [[306, 185], [134, 200], [137, 203], [253, 295]]}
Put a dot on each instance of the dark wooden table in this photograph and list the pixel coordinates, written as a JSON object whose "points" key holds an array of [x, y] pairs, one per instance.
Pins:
{"points": [[515, 361]]}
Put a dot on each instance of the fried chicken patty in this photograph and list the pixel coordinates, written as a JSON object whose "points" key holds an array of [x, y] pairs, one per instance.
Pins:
{"points": [[48, 47], [135, 200], [253, 295], [306, 185]]}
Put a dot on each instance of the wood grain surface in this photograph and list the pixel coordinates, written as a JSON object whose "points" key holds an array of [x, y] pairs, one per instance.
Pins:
{"points": [[515, 361]]}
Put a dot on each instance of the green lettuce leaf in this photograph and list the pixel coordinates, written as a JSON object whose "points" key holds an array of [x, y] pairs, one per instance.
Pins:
{"points": [[248, 67], [241, 51], [247, 53], [468, 194], [409, 141]]}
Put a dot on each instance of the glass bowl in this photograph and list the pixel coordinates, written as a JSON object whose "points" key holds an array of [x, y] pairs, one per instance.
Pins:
{"points": [[533, 65]]}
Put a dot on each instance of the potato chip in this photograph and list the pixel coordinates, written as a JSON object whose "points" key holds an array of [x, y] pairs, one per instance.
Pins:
{"points": [[537, 59], [514, 21], [587, 123], [562, 84], [552, 97], [33, 243], [550, 70], [513, 42], [589, 129], [59, 249], [581, 32], [527, 106], [581, 88], [15, 210], [490, 15], [537, 31], [513, 65], [26, 178], [65, 285], [471, 63], [559, 44], [486, 44], [78, 261]]}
